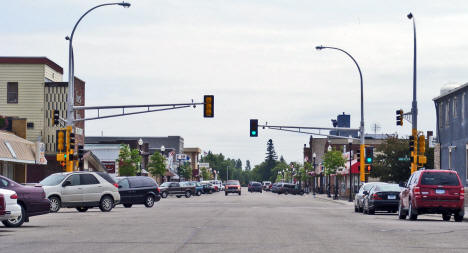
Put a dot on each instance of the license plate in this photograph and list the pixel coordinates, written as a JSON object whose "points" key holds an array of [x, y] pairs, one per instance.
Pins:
{"points": [[440, 191], [391, 197]]}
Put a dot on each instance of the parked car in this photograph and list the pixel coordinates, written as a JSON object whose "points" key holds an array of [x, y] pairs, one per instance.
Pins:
{"points": [[254, 187], [218, 185], [266, 185], [290, 189], [32, 200], [177, 189], [208, 188], [138, 190], [232, 186], [275, 187], [198, 187], [382, 197], [80, 190], [359, 197], [433, 191], [9, 208]]}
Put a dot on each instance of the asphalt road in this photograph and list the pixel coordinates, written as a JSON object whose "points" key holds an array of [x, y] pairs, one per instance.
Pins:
{"points": [[252, 222]]}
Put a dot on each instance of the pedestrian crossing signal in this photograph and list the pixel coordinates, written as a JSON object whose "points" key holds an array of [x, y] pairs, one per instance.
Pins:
{"points": [[254, 128]]}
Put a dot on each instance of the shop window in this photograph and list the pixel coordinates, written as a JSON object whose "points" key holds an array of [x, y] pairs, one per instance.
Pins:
{"points": [[12, 93]]}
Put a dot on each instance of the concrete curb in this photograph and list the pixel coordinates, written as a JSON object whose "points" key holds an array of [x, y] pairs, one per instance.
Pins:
{"points": [[337, 201]]}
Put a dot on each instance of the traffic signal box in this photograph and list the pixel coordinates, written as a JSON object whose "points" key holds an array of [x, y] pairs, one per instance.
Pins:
{"points": [[70, 146], [55, 117], [80, 154], [208, 106], [254, 128], [365, 156], [60, 146], [362, 172], [369, 155], [399, 117]]}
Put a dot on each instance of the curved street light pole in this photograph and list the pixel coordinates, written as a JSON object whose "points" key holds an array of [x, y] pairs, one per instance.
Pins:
{"points": [[414, 106], [71, 66]]}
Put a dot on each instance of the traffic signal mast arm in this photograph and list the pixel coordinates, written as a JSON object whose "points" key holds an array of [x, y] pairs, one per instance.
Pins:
{"points": [[299, 129]]}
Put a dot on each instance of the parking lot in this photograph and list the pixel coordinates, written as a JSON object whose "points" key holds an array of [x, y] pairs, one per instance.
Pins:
{"points": [[252, 222]]}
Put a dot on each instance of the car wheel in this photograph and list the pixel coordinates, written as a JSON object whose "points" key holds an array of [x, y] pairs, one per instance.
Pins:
{"points": [[178, 196], [411, 212], [127, 205], [198, 193], [188, 194], [106, 204], [401, 213], [211, 191], [14, 223], [54, 204], [239, 193], [149, 201], [225, 193], [457, 217], [82, 209], [356, 210], [164, 195], [446, 217], [370, 211]]}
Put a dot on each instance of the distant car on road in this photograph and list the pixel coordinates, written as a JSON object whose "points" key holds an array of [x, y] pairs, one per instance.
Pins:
{"points": [[9, 208], [177, 189], [433, 191], [266, 185], [232, 186], [359, 197], [138, 190], [80, 190], [254, 187], [382, 197], [287, 188], [198, 187], [276, 186], [208, 188], [32, 200]]}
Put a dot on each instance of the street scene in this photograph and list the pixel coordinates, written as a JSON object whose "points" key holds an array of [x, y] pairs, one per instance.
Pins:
{"points": [[234, 126]]}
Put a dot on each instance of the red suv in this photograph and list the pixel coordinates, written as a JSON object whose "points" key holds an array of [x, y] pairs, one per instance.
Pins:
{"points": [[433, 191]]}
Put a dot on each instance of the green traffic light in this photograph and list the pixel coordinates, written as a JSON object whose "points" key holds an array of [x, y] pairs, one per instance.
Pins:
{"points": [[254, 132], [369, 159]]}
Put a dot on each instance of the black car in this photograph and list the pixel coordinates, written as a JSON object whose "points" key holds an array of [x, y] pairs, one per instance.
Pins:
{"points": [[275, 187], [254, 187], [138, 190], [208, 188], [382, 197], [177, 189], [291, 189], [359, 197]]}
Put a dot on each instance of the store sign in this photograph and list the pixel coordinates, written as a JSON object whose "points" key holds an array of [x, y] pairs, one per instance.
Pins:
{"points": [[40, 153], [109, 166]]}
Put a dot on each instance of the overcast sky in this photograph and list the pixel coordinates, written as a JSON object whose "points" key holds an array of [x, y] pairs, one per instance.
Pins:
{"points": [[257, 57]]}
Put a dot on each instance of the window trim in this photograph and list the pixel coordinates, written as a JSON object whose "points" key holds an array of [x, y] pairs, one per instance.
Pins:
{"points": [[12, 92]]}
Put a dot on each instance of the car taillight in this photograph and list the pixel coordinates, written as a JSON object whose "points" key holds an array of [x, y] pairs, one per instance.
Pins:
{"points": [[116, 185], [157, 188], [376, 196], [417, 191], [14, 196], [462, 193]]}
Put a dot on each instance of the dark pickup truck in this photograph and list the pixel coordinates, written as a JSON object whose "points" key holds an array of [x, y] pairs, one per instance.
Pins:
{"points": [[175, 188]]}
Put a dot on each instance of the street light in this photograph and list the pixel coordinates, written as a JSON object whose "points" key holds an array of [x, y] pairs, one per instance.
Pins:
{"points": [[315, 178], [71, 65], [350, 141], [361, 127], [328, 185], [163, 149], [140, 143]]}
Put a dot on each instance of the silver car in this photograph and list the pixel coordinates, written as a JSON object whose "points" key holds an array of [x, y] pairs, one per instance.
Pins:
{"points": [[80, 190]]}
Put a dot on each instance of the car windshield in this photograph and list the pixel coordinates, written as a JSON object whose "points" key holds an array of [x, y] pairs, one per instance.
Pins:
{"points": [[388, 188], [166, 184], [439, 178], [53, 179], [232, 183]]}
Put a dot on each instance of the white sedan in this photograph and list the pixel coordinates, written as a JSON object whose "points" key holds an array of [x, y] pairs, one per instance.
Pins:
{"points": [[9, 208]]}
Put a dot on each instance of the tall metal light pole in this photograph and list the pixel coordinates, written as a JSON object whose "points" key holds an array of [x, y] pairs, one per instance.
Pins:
{"points": [[361, 127], [140, 143], [414, 105], [350, 141], [71, 66], [315, 178]]}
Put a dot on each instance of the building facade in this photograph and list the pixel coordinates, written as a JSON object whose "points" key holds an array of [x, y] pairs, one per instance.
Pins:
{"points": [[452, 129], [31, 88]]}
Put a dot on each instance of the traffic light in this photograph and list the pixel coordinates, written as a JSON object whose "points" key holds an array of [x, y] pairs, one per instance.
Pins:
{"points": [[411, 143], [369, 155], [358, 153], [55, 117], [362, 172], [72, 140], [60, 140], [422, 144], [208, 106], [254, 128], [368, 169], [80, 154], [399, 117]]}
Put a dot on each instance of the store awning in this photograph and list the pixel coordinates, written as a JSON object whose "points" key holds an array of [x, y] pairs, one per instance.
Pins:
{"points": [[354, 167], [17, 149]]}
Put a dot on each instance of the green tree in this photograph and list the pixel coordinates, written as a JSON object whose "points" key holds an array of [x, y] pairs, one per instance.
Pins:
{"points": [[157, 165], [387, 165], [206, 175], [128, 160], [247, 165], [186, 171], [332, 161]]}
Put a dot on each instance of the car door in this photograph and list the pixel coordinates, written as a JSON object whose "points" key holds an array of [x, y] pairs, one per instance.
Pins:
{"points": [[404, 195], [125, 192], [174, 188], [92, 189], [136, 185], [72, 192]]}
